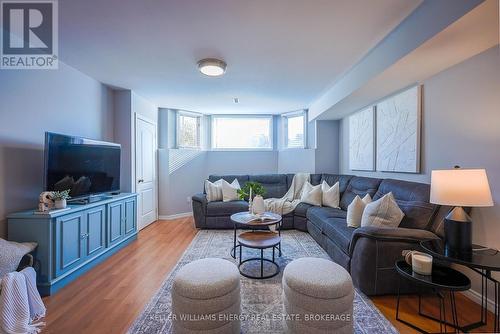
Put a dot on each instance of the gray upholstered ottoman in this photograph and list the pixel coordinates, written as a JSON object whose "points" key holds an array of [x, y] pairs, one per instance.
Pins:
{"points": [[206, 298], [318, 297]]}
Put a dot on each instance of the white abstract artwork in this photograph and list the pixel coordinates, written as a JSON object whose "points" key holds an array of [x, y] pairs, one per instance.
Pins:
{"points": [[398, 132], [362, 140]]}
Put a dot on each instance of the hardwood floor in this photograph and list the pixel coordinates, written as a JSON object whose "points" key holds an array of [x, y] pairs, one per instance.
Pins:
{"points": [[109, 297], [468, 312]]}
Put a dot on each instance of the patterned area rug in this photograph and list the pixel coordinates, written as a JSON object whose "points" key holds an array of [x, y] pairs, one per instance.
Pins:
{"points": [[261, 299]]}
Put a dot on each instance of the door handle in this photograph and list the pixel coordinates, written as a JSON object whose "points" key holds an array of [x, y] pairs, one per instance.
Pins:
{"points": [[84, 236], [140, 181]]}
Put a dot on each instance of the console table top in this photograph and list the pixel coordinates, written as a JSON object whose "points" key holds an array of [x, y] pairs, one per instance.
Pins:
{"points": [[30, 214]]}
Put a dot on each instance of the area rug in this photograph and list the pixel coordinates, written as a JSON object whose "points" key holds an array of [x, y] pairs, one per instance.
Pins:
{"points": [[261, 299]]}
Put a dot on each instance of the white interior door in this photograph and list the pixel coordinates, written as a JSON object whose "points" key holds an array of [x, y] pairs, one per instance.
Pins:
{"points": [[145, 171]]}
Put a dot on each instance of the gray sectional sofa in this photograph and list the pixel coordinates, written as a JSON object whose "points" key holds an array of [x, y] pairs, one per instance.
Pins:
{"points": [[368, 253]]}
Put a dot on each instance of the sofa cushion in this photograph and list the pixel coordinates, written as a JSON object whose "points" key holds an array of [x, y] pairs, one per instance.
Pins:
{"points": [[316, 179], [318, 215], [301, 209], [336, 230], [331, 179], [413, 199], [359, 186], [220, 208], [275, 184]]}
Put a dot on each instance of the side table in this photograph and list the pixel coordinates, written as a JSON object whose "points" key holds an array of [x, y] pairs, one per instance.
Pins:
{"points": [[483, 261], [442, 280]]}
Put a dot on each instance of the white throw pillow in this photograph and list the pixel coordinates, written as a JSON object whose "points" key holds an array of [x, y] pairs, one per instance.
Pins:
{"points": [[230, 190], [213, 190], [311, 194], [383, 212], [331, 195], [355, 210]]}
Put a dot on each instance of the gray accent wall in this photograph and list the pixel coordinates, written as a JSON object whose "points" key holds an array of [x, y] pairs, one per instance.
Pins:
{"points": [[461, 126], [32, 102]]}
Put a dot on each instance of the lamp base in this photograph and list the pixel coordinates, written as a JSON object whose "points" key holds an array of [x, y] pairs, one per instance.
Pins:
{"points": [[458, 232]]}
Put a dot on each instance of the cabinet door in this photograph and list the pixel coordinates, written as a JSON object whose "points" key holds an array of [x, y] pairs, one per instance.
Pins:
{"points": [[96, 230], [130, 216], [69, 245], [116, 229]]}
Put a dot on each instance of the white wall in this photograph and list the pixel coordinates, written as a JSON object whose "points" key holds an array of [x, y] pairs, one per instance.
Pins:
{"points": [[32, 102], [461, 126]]}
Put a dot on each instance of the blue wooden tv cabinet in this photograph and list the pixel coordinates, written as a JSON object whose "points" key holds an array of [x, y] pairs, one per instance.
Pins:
{"points": [[73, 241]]}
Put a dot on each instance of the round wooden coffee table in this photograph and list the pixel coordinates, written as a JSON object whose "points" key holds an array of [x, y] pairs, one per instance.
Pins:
{"points": [[260, 238]]}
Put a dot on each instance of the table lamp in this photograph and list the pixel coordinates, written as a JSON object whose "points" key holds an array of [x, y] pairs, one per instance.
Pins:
{"points": [[459, 188]]}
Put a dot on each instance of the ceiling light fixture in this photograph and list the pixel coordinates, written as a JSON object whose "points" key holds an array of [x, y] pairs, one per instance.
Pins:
{"points": [[212, 67]]}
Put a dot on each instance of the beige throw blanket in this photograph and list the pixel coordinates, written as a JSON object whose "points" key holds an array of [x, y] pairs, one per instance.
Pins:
{"points": [[291, 199]]}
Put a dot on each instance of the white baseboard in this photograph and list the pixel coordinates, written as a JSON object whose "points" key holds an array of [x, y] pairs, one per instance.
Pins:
{"points": [[476, 298], [176, 216]]}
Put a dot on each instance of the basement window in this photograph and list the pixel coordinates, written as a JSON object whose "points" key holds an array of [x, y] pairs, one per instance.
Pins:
{"points": [[241, 132], [295, 129], [188, 130]]}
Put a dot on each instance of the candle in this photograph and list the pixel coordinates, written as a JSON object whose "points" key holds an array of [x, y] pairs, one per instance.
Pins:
{"points": [[421, 263], [250, 202]]}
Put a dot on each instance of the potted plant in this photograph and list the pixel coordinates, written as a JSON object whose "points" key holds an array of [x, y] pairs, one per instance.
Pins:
{"points": [[254, 192], [60, 198]]}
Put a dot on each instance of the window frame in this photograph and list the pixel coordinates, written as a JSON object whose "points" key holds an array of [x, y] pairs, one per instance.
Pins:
{"points": [[178, 132], [284, 118], [246, 116]]}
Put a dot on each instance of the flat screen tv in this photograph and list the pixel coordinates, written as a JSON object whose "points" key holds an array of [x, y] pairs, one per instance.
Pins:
{"points": [[84, 166]]}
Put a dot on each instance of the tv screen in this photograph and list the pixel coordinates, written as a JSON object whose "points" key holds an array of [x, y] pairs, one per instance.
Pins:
{"points": [[83, 166]]}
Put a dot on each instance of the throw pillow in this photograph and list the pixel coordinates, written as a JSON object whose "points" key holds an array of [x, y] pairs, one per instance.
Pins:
{"points": [[213, 190], [355, 210], [311, 194], [331, 195], [230, 190], [11, 254], [383, 212]]}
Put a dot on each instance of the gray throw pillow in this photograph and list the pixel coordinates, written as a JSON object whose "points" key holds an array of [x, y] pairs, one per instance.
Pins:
{"points": [[11, 254]]}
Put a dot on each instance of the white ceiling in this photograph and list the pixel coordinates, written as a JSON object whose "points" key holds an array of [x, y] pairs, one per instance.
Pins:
{"points": [[475, 32], [281, 54]]}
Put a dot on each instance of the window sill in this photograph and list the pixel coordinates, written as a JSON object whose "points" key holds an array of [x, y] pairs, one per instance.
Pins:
{"points": [[241, 150]]}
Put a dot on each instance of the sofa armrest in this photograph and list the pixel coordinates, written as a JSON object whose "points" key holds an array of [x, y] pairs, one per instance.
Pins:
{"points": [[201, 198], [373, 252], [392, 234], [199, 209]]}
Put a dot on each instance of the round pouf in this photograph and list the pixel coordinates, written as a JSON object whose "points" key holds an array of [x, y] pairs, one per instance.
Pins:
{"points": [[206, 298], [318, 297]]}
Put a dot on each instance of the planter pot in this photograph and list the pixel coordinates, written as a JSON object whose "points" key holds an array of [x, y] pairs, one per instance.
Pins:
{"points": [[60, 204]]}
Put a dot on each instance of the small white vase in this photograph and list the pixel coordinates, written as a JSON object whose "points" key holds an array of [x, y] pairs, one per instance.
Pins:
{"points": [[258, 205], [60, 204]]}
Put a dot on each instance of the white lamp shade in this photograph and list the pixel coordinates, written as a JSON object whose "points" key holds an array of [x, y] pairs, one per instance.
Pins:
{"points": [[460, 187]]}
